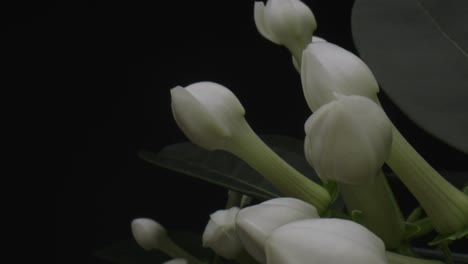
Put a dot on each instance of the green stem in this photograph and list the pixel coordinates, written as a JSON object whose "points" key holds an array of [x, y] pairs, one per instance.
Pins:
{"points": [[394, 258], [234, 199], [250, 148], [447, 253], [173, 250], [380, 211], [446, 206]]}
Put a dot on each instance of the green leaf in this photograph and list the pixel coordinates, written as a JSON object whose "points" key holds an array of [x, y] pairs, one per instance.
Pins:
{"points": [[129, 252], [417, 50], [415, 215], [228, 171], [411, 230], [356, 216], [441, 239]]}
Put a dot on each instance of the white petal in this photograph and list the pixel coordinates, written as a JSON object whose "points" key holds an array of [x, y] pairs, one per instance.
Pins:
{"points": [[197, 123], [328, 66], [316, 81], [254, 224], [259, 17], [220, 234], [291, 22], [324, 241], [348, 140]]}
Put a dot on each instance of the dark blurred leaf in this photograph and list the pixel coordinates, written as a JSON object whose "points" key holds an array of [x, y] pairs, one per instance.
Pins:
{"points": [[129, 252], [417, 50], [226, 170]]}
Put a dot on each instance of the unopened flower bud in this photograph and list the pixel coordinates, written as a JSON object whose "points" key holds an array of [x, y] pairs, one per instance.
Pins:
{"points": [[208, 113], [318, 241], [348, 140], [286, 22], [255, 223], [148, 233], [220, 234], [212, 117], [327, 69]]}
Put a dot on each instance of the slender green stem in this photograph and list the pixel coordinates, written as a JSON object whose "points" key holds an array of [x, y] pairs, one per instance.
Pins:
{"points": [[234, 199], [173, 250], [380, 211], [250, 148], [447, 253], [446, 206], [394, 258]]}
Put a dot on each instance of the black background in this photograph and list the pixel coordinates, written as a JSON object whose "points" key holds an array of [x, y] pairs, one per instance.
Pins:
{"points": [[109, 66]]}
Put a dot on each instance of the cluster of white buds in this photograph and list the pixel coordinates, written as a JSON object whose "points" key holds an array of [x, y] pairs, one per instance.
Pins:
{"points": [[287, 230], [277, 231], [348, 140]]}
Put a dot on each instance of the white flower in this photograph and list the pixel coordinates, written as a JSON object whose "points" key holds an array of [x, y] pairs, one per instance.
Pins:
{"points": [[324, 241], [148, 233], [176, 261], [208, 113], [348, 140], [327, 69], [285, 22], [220, 234], [254, 224]]}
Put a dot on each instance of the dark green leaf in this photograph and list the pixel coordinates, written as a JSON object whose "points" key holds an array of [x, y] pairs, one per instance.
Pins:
{"points": [[417, 50], [226, 170], [129, 252]]}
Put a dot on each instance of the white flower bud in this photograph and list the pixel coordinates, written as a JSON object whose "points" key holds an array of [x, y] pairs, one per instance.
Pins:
{"points": [[254, 224], [295, 63], [348, 140], [285, 22], [208, 113], [176, 261], [322, 241], [220, 234], [148, 233], [327, 69]]}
